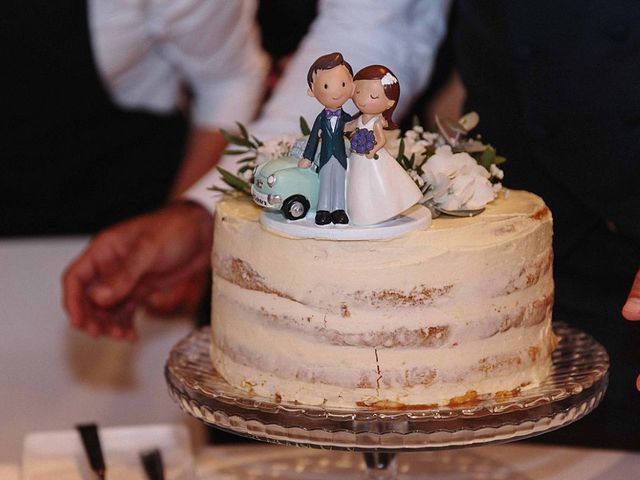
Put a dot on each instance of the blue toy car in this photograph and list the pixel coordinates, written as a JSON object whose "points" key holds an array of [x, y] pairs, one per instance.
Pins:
{"points": [[281, 185]]}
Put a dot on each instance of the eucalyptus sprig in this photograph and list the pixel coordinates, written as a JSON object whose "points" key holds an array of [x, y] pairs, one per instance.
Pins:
{"points": [[246, 147]]}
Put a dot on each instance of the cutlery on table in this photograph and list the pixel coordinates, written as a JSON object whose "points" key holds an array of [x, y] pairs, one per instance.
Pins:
{"points": [[152, 462], [92, 448]]}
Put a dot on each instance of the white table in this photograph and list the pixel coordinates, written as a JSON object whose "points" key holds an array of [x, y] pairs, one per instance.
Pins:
{"points": [[501, 462], [51, 376]]}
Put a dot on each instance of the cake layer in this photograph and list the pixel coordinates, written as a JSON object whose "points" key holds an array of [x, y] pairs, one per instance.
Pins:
{"points": [[463, 306]]}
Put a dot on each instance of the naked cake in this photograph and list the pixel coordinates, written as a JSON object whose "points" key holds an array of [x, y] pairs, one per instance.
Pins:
{"points": [[440, 316]]}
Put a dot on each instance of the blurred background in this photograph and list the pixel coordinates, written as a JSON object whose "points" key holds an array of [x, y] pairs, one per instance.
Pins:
{"points": [[53, 376]]}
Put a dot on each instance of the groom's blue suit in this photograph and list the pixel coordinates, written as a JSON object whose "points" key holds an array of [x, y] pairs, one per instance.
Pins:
{"points": [[332, 162], [332, 139]]}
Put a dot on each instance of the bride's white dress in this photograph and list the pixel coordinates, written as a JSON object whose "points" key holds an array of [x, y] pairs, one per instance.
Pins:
{"points": [[377, 190]]}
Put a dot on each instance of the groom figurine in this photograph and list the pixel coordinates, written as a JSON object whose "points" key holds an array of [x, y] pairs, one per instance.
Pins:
{"points": [[330, 81]]}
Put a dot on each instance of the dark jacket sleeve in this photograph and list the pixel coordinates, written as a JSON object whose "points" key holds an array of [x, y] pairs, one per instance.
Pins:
{"points": [[346, 117], [312, 143]]}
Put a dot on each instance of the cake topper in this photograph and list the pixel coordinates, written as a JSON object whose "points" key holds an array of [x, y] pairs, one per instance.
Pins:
{"points": [[362, 174], [330, 81], [378, 188]]}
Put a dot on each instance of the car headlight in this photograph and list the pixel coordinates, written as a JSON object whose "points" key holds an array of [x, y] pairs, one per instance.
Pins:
{"points": [[271, 181]]}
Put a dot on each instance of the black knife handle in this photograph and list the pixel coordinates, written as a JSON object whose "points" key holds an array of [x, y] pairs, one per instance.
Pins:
{"points": [[153, 465], [93, 449]]}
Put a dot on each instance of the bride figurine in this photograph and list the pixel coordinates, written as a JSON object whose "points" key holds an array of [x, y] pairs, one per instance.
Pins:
{"points": [[378, 188]]}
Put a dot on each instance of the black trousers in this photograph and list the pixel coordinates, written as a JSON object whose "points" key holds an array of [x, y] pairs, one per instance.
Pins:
{"points": [[592, 284]]}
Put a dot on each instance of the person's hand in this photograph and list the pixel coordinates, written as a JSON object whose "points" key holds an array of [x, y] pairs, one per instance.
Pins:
{"points": [[631, 309], [158, 261], [304, 163]]}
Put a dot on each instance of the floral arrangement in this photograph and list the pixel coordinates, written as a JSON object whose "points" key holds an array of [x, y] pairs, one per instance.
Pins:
{"points": [[457, 173]]}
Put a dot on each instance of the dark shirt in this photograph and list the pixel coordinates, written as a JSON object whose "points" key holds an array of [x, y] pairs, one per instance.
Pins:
{"points": [[555, 84], [72, 161]]}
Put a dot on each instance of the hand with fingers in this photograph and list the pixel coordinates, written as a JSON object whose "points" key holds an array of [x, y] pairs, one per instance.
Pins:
{"points": [[157, 261], [631, 309]]}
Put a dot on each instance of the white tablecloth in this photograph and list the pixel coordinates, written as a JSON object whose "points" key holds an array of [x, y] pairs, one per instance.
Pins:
{"points": [[502, 462], [51, 376]]}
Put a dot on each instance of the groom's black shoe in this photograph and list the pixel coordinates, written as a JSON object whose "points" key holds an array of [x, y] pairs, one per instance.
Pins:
{"points": [[323, 217], [339, 217]]}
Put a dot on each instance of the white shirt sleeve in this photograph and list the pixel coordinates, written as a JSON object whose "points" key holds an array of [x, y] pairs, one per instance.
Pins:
{"points": [[403, 35], [146, 49]]}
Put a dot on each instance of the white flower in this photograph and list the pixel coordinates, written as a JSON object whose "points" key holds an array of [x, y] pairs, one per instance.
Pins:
{"points": [[388, 79], [455, 181], [453, 164], [416, 178], [433, 138], [412, 135], [496, 172], [414, 144], [277, 147], [497, 187]]}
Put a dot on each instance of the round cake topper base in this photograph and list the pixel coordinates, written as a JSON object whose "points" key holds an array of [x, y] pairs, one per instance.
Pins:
{"points": [[415, 218]]}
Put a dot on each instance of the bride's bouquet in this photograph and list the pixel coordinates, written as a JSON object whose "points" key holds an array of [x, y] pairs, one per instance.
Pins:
{"points": [[362, 141]]}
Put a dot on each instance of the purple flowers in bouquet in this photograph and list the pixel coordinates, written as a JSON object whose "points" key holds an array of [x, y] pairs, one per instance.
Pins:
{"points": [[362, 141]]}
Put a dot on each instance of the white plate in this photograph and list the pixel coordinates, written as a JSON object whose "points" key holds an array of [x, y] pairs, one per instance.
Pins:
{"points": [[59, 455]]}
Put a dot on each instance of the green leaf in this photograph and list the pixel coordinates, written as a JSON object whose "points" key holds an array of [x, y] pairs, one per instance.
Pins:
{"points": [[232, 139], [218, 189], [429, 151], [499, 160], [487, 157], [243, 130], [401, 149], [234, 181], [247, 159], [304, 126], [256, 141], [236, 152]]}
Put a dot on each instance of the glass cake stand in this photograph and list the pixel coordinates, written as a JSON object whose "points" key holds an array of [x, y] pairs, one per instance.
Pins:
{"points": [[574, 388]]}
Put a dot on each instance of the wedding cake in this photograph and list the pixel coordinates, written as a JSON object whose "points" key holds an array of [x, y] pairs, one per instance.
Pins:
{"points": [[365, 305], [443, 316]]}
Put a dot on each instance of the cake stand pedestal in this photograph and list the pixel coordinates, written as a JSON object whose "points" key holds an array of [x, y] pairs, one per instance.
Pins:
{"points": [[575, 387]]}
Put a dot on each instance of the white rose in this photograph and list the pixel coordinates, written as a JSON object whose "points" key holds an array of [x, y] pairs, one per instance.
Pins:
{"points": [[456, 181], [437, 183]]}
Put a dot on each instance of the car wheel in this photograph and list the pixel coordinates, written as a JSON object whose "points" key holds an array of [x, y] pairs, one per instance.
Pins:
{"points": [[295, 207]]}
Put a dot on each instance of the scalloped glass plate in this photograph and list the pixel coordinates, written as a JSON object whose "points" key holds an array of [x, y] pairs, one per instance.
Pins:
{"points": [[575, 387]]}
